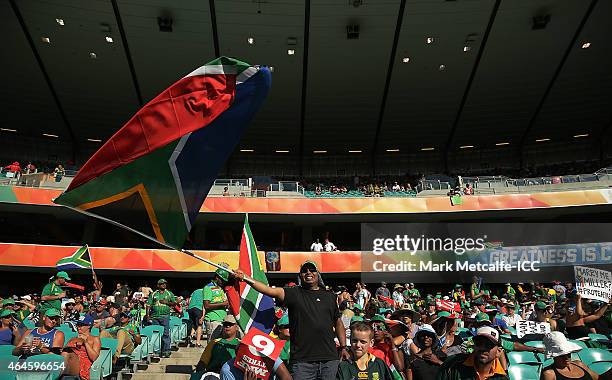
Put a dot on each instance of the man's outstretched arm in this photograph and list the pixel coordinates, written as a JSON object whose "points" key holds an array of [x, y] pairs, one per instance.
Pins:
{"points": [[276, 293]]}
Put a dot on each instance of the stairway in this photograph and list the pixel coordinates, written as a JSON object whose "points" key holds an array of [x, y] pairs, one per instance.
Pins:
{"points": [[178, 366]]}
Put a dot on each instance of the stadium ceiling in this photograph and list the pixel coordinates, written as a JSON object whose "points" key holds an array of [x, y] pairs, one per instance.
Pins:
{"points": [[421, 73]]}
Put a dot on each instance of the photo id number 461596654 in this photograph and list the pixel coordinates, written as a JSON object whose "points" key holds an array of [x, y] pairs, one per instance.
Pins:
{"points": [[34, 366]]}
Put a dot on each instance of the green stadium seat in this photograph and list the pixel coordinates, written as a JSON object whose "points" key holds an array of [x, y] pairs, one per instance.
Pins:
{"points": [[601, 367], [594, 355], [523, 372], [598, 337], [523, 357], [579, 342], [6, 350], [155, 335]]}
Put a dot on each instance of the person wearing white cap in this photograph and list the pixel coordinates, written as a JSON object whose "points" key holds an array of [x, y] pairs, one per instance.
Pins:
{"points": [[482, 363], [560, 350]]}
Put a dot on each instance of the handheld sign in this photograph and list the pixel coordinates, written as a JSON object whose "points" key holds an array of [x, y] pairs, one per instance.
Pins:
{"points": [[258, 351], [449, 306], [531, 327], [595, 284]]}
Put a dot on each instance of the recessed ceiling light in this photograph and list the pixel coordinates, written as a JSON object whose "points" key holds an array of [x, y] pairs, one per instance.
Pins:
{"points": [[406, 59], [282, 151], [542, 140], [60, 21], [466, 146], [109, 39], [290, 51], [251, 40], [355, 151], [50, 135], [582, 135], [502, 143], [393, 150], [246, 150], [586, 45], [425, 149], [94, 140], [8, 130], [442, 67], [319, 151], [467, 48], [46, 40], [430, 40], [93, 55]]}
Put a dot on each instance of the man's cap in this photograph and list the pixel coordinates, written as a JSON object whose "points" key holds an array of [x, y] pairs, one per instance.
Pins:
{"points": [[162, 281], [223, 274], [309, 263], [490, 333], [507, 284], [7, 302], [27, 298], [69, 300], [63, 275], [540, 305], [458, 286], [229, 319], [85, 320], [406, 306], [378, 318], [6, 313], [383, 283], [52, 313], [490, 309], [482, 317], [398, 286], [283, 321], [356, 318]]}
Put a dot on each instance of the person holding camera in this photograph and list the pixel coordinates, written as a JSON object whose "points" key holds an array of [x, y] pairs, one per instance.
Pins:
{"points": [[42, 340]]}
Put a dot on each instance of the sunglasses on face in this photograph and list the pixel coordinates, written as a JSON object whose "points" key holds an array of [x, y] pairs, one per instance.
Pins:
{"points": [[228, 325], [308, 269], [484, 343]]}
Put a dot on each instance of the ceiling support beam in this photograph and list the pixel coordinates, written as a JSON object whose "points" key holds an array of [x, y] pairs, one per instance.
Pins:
{"points": [[215, 32], [41, 66], [304, 83], [571, 46], [468, 87], [383, 103], [126, 49]]}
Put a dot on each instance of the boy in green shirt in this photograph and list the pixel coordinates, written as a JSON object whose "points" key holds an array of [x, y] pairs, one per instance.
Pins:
{"points": [[364, 366], [158, 312]]}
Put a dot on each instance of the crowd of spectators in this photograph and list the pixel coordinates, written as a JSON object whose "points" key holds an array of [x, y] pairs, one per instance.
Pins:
{"points": [[404, 331]]}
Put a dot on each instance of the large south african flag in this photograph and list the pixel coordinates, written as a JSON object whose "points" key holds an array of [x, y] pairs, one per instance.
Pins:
{"points": [[251, 308], [155, 172]]}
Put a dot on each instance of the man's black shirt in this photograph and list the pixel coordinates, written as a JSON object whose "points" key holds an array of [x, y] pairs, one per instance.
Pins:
{"points": [[312, 318]]}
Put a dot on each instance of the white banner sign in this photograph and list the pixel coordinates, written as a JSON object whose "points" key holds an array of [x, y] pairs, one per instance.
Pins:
{"points": [[530, 327], [595, 284]]}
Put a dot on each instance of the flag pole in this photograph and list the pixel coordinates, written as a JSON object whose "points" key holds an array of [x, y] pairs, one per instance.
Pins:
{"points": [[90, 259], [151, 238]]}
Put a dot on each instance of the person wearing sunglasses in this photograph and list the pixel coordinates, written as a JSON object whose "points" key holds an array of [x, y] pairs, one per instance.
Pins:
{"points": [[314, 322], [482, 363], [42, 340]]}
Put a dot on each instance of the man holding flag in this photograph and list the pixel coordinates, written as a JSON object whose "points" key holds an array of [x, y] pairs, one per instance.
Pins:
{"points": [[313, 316]]}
